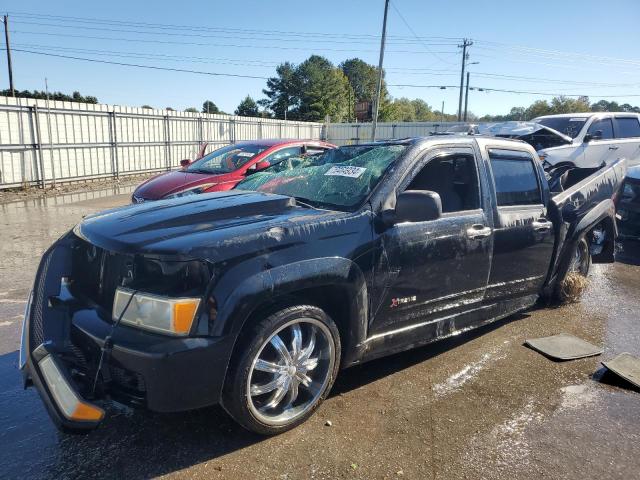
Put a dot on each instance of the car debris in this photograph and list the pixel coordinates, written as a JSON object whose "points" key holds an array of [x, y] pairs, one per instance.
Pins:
{"points": [[625, 366], [563, 347]]}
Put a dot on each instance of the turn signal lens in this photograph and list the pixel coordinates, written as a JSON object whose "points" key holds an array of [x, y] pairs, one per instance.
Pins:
{"points": [[173, 316], [68, 401]]}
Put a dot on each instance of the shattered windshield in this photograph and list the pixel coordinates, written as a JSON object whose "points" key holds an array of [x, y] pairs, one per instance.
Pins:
{"points": [[340, 178], [567, 125], [226, 159]]}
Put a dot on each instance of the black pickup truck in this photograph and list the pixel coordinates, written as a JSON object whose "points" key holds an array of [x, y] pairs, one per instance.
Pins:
{"points": [[256, 297]]}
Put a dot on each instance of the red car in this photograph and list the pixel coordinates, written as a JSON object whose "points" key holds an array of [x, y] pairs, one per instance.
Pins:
{"points": [[222, 169]]}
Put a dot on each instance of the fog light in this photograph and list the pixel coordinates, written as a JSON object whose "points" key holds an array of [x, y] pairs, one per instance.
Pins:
{"points": [[68, 401]]}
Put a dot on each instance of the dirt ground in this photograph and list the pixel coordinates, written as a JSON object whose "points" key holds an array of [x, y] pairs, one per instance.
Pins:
{"points": [[478, 406]]}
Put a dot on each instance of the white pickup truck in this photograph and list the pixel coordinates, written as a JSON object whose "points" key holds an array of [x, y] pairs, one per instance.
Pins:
{"points": [[585, 139]]}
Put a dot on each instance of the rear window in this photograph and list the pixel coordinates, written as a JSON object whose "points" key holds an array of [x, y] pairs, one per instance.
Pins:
{"points": [[515, 178], [628, 127]]}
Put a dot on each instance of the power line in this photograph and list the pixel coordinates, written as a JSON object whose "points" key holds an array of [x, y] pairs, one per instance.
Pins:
{"points": [[218, 35], [416, 36], [169, 42], [152, 67], [216, 29], [488, 89]]}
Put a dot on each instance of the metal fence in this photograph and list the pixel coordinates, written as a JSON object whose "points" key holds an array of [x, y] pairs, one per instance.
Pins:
{"points": [[355, 133], [45, 142]]}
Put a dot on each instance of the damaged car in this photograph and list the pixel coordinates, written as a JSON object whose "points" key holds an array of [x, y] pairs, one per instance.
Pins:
{"points": [[586, 140], [255, 298]]}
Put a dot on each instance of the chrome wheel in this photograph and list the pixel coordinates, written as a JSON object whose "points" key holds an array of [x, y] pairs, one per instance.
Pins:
{"points": [[290, 371]]}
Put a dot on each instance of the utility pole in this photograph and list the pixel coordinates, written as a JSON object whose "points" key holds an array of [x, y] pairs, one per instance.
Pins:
{"points": [[8, 45], [376, 105], [466, 97], [465, 43], [442, 112]]}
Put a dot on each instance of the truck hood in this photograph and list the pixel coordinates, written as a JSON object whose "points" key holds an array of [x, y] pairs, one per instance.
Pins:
{"points": [[180, 227], [523, 130]]}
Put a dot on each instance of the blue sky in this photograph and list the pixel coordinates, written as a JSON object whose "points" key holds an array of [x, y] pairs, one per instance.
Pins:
{"points": [[570, 46]]}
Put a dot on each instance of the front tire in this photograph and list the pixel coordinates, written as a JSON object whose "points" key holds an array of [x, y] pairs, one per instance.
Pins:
{"points": [[283, 368]]}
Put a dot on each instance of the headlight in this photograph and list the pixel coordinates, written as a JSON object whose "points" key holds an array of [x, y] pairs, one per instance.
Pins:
{"points": [[191, 191], [172, 316]]}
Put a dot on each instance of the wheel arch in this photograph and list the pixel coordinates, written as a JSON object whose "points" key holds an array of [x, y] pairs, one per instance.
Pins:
{"points": [[336, 285]]}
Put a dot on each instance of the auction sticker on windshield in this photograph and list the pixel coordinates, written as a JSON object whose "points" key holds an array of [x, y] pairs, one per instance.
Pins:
{"points": [[245, 154], [343, 171]]}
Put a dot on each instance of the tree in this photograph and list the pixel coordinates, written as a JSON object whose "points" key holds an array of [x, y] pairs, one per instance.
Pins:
{"points": [[423, 111], [564, 104], [74, 97], [209, 107], [363, 79], [191, 110], [248, 108], [147, 107], [281, 91], [322, 90]]}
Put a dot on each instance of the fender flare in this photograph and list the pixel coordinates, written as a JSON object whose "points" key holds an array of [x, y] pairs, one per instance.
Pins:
{"points": [[261, 288], [604, 210]]}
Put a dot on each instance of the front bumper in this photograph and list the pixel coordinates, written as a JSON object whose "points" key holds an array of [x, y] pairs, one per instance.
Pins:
{"points": [[160, 373]]}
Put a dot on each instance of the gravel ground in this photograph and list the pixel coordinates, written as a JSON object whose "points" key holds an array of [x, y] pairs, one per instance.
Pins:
{"points": [[480, 405]]}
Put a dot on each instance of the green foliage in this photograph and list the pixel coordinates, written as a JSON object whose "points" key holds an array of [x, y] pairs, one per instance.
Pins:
{"points": [[248, 108], [209, 107], [191, 110], [147, 107], [322, 90], [363, 79], [40, 95], [280, 91], [406, 110]]}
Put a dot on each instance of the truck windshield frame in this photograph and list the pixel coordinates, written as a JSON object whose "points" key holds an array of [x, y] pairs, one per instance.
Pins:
{"points": [[340, 179]]}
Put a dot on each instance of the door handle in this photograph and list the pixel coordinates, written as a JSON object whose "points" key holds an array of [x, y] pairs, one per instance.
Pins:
{"points": [[478, 232], [542, 225], [613, 148]]}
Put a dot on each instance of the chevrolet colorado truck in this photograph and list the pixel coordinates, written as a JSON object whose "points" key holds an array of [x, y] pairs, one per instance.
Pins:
{"points": [[255, 298]]}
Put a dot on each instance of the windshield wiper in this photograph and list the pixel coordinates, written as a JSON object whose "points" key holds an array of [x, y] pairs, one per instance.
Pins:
{"points": [[305, 202]]}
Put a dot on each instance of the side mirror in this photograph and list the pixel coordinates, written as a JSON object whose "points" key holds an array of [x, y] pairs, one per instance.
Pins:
{"points": [[587, 138], [262, 164], [417, 206], [185, 163]]}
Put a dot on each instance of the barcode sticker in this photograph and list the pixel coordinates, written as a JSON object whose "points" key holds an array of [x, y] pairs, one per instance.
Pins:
{"points": [[342, 171]]}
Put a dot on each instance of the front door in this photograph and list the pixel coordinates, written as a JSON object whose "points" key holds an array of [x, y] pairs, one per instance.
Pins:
{"points": [[440, 267], [601, 147], [523, 235]]}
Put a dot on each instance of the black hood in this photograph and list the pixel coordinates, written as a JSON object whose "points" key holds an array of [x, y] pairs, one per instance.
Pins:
{"points": [[182, 226]]}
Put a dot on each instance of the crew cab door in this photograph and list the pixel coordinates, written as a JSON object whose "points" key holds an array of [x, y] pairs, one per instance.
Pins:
{"points": [[602, 146], [438, 267], [523, 235], [627, 133]]}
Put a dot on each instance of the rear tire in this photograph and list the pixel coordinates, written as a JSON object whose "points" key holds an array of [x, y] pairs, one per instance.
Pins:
{"points": [[283, 368], [579, 265]]}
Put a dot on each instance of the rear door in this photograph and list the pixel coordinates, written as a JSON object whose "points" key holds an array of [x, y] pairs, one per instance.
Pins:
{"points": [[523, 235], [627, 133]]}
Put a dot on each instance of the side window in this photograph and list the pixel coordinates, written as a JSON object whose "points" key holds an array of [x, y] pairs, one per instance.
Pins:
{"points": [[454, 177], [277, 157], [601, 129], [515, 178], [628, 127]]}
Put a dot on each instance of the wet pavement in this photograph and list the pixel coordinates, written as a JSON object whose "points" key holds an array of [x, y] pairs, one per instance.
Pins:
{"points": [[480, 405]]}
